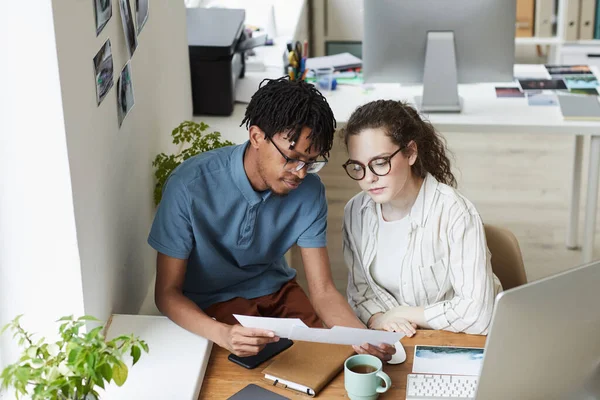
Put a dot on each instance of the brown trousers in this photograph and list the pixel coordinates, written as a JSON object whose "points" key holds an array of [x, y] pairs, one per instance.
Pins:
{"points": [[289, 301]]}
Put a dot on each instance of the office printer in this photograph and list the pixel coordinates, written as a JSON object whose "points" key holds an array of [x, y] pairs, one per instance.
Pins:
{"points": [[217, 42]]}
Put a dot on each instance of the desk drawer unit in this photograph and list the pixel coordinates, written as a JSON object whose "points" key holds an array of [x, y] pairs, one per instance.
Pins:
{"points": [[580, 54]]}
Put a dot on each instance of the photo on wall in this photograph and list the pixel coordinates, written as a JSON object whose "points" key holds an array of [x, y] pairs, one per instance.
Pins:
{"points": [[141, 12], [125, 99], [103, 11], [128, 28], [103, 68]]}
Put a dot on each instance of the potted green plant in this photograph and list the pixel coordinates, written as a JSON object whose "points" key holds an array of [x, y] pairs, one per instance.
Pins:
{"points": [[192, 140], [73, 367]]}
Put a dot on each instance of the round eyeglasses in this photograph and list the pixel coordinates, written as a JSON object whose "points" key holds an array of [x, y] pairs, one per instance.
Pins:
{"points": [[295, 165], [380, 166]]}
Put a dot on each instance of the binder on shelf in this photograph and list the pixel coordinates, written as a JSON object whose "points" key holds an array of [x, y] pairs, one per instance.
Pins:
{"points": [[587, 15], [544, 15], [597, 28], [525, 17], [571, 20]]}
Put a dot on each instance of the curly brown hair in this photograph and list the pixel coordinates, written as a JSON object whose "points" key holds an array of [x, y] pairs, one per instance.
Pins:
{"points": [[403, 124]]}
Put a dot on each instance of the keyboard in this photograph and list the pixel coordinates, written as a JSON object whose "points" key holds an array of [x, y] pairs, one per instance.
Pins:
{"points": [[438, 387]]}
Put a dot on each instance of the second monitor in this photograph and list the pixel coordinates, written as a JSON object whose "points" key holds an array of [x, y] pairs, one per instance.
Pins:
{"points": [[439, 43]]}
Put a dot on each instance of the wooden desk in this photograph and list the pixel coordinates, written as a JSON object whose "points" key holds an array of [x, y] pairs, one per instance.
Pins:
{"points": [[224, 378]]}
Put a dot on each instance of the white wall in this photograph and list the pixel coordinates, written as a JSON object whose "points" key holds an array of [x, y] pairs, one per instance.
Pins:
{"points": [[110, 167], [75, 190], [39, 259]]}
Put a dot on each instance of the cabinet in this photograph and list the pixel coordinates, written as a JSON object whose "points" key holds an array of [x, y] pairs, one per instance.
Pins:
{"points": [[336, 21], [580, 54]]}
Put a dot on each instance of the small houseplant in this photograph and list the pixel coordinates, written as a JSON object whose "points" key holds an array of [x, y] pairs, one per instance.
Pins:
{"points": [[187, 133], [71, 368]]}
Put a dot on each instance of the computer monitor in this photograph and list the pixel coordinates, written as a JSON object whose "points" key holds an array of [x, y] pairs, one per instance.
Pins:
{"points": [[544, 341], [439, 43]]}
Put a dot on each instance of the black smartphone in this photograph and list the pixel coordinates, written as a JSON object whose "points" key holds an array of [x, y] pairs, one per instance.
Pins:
{"points": [[270, 351]]}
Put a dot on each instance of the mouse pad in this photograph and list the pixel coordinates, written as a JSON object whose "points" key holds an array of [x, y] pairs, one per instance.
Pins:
{"points": [[254, 392]]}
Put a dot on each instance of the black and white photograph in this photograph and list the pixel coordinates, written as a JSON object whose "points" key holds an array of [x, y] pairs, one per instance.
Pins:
{"points": [[103, 68], [128, 28], [103, 11], [141, 12], [125, 99]]}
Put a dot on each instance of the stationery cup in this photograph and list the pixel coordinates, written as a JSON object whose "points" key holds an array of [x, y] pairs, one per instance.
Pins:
{"points": [[324, 78], [363, 376]]}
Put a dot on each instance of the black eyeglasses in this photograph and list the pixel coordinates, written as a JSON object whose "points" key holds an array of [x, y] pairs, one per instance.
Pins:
{"points": [[294, 165], [380, 166]]}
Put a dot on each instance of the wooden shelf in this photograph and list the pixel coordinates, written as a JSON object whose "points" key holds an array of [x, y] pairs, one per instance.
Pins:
{"points": [[538, 40], [553, 41], [588, 42]]}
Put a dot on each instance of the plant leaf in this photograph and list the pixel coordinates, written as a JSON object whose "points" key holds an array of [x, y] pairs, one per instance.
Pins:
{"points": [[5, 328], [144, 346], [73, 354], [120, 372], [94, 333], [106, 372], [136, 353], [100, 382], [88, 318]]}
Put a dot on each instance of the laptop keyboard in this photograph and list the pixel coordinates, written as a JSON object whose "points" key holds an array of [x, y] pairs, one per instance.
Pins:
{"points": [[434, 387]]}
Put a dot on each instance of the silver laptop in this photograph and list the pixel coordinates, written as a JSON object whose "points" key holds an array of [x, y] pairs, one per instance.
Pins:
{"points": [[544, 343]]}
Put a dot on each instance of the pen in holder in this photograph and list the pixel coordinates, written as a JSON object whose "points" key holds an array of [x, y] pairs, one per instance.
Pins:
{"points": [[295, 60]]}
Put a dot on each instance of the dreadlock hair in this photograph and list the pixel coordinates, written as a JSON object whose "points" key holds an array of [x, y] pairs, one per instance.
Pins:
{"points": [[403, 124], [287, 106]]}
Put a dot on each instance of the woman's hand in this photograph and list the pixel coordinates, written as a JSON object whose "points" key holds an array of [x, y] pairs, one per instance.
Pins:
{"points": [[394, 321]]}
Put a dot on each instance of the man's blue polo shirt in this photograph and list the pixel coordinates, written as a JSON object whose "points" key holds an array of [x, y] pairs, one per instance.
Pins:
{"points": [[233, 237]]}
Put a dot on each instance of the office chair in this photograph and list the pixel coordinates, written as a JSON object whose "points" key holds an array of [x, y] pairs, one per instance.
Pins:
{"points": [[507, 261]]}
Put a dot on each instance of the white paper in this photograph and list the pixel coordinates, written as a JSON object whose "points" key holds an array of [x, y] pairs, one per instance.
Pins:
{"points": [[280, 326], [295, 329], [344, 335], [448, 360]]}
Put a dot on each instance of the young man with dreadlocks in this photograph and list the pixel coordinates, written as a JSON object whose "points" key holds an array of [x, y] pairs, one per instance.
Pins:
{"points": [[228, 216]]}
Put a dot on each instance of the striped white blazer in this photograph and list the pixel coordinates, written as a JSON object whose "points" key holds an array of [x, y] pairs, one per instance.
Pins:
{"points": [[446, 268]]}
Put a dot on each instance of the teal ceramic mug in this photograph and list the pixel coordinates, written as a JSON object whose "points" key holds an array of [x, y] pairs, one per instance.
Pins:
{"points": [[363, 376]]}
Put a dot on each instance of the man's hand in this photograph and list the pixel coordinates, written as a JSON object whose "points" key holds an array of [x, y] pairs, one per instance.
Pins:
{"points": [[384, 352], [245, 342], [393, 320]]}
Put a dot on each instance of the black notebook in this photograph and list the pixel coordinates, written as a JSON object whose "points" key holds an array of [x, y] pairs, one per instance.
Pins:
{"points": [[254, 392]]}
